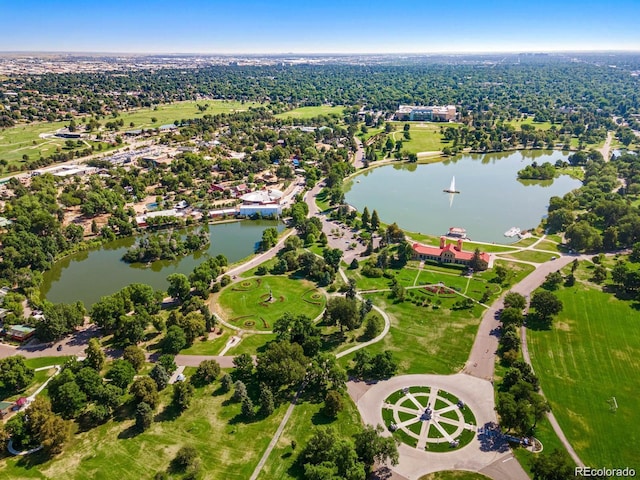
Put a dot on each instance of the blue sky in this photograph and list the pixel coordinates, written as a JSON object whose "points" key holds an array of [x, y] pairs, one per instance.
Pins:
{"points": [[254, 26]]}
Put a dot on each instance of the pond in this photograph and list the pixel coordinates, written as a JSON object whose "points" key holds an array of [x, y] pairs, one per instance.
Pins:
{"points": [[491, 200], [89, 275]]}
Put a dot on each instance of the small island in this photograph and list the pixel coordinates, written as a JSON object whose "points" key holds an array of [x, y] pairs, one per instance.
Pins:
{"points": [[546, 171], [165, 247]]}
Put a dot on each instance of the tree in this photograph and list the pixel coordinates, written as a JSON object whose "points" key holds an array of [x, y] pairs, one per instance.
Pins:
{"points": [[298, 329], [175, 340], [552, 281], [365, 219], [269, 238], [546, 305], [15, 375], [552, 466], [168, 363], [266, 400], [512, 316], [372, 447], [501, 274], [89, 381], [373, 326], [239, 391], [182, 395], [179, 287], [145, 390], [247, 408], [342, 311], [185, 459], [226, 383], [69, 400], [207, 372], [244, 366], [160, 376], [135, 356], [375, 221], [515, 300], [333, 403], [144, 416], [121, 373], [53, 434], [282, 364], [94, 355]]}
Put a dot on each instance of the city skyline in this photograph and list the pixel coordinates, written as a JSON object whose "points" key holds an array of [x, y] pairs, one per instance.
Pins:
{"points": [[375, 27]]}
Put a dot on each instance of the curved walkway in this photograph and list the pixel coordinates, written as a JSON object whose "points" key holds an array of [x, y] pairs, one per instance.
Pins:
{"points": [[552, 418]]}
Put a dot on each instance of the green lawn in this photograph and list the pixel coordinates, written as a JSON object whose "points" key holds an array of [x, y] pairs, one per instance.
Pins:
{"points": [[592, 354], [531, 256], [227, 447], [251, 344], [425, 137], [310, 112], [170, 112], [529, 121], [209, 347], [305, 419], [25, 139], [46, 361], [424, 339], [246, 303]]}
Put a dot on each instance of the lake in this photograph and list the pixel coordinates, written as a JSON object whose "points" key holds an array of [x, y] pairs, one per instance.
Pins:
{"points": [[490, 202], [89, 275]]}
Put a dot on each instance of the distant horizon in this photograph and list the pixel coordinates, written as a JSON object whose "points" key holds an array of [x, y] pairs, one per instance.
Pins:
{"points": [[319, 53], [375, 27]]}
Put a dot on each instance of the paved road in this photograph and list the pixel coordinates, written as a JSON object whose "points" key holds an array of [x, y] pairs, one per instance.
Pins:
{"points": [[482, 358]]}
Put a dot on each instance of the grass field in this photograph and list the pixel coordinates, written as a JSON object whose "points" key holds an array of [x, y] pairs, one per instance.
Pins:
{"points": [[170, 112], [227, 447], [591, 354], [246, 303], [310, 112], [425, 137], [208, 347], [424, 339], [24, 139], [529, 121], [530, 256], [251, 344]]}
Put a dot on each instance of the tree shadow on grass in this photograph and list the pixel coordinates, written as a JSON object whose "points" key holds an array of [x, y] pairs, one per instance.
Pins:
{"points": [[33, 460], [169, 413], [333, 340], [319, 418], [538, 323], [129, 432]]}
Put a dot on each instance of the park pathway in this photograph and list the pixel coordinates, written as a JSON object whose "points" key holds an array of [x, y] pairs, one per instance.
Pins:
{"points": [[552, 418]]}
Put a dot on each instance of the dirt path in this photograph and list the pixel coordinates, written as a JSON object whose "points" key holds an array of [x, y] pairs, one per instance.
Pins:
{"points": [[606, 148]]}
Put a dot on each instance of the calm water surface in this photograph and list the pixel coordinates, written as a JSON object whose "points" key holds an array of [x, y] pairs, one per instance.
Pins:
{"points": [[490, 202], [87, 276]]}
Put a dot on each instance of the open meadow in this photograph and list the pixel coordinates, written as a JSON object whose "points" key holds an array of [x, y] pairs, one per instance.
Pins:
{"points": [[310, 112], [427, 339], [589, 356], [24, 139], [227, 446]]}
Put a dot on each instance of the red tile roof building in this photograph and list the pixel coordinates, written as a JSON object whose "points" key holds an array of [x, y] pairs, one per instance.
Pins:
{"points": [[447, 253]]}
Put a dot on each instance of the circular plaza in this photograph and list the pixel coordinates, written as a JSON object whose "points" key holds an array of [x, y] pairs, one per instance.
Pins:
{"points": [[429, 418]]}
